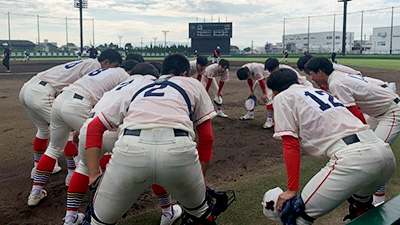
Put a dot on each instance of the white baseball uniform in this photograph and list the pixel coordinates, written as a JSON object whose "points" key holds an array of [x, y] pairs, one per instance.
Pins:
{"points": [[257, 73], [345, 69], [72, 107], [193, 69], [156, 154], [38, 94], [373, 100], [211, 72], [302, 79], [360, 162]]}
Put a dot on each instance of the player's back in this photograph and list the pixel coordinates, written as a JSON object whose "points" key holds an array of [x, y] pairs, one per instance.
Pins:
{"points": [[315, 116], [95, 83], [257, 71], [65, 74]]}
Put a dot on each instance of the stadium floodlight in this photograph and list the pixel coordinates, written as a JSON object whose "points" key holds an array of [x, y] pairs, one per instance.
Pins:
{"points": [[344, 25], [81, 4], [84, 3]]}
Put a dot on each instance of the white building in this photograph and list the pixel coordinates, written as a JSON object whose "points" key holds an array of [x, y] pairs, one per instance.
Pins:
{"points": [[381, 40], [320, 42]]}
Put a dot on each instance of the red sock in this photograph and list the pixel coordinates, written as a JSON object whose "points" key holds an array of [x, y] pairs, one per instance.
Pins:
{"points": [[158, 190], [39, 145], [79, 183], [70, 149], [46, 163]]}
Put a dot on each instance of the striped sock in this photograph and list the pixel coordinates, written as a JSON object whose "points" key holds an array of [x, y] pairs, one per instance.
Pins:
{"points": [[43, 171], [164, 199], [39, 147], [71, 166]]}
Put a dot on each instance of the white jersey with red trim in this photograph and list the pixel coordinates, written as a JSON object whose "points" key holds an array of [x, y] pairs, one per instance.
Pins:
{"points": [[95, 83], [321, 118], [63, 75], [352, 90], [163, 106], [211, 71], [257, 71], [193, 69], [345, 69]]}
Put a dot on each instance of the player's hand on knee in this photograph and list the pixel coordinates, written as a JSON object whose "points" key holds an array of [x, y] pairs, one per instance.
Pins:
{"points": [[284, 197], [264, 98]]}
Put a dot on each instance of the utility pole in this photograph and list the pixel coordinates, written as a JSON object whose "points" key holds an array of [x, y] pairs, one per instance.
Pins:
{"points": [[38, 32], [141, 43], [66, 32], [120, 37], [9, 31], [344, 25], [93, 30], [165, 32], [155, 41]]}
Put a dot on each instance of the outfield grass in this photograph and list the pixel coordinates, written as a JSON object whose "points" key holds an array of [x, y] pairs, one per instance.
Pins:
{"points": [[247, 208]]}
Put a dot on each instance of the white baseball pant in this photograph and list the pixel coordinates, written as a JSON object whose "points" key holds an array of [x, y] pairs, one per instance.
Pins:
{"points": [[37, 97], [109, 138], [154, 157], [388, 124], [70, 111], [359, 168]]}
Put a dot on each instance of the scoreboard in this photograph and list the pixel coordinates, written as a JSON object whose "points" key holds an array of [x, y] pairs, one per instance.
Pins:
{"points": [[210, 30]]}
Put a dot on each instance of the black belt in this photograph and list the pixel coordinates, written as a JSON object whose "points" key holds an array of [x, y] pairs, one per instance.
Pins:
{"points": [[91, 115], [351, 139], [177, 133], [43, 83], [384, 85], [80, 97], [396, 100]]}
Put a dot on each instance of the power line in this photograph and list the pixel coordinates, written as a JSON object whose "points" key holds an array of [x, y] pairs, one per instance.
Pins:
{"points": [[51, 17]]}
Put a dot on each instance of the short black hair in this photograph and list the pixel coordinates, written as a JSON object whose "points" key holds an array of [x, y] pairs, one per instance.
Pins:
{"points": [[243, 73], [319, 63], [271, 64], [134, 56], [111, 54], [157, 65], [175, 64], [202, 60], [128, 65], [145, 69], [224, 63], [282, 79], [302, 61]]}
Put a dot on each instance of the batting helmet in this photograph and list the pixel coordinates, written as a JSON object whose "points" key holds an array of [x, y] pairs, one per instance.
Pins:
{"points": [[269, 203], [5, 44]]}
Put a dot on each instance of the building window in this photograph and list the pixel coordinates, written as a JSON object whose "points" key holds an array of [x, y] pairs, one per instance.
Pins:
{"points": [[305, 38], [328, 43], [381, 43], [305, 44], [337, 37], [329, 37], [312, 37]]}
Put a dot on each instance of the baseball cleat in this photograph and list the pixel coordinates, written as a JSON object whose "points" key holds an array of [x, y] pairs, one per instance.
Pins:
{"points": [[167, 220], [56, 169], [33, 200], [268, 124], [247, 117], [74, 220], [221, 114]]}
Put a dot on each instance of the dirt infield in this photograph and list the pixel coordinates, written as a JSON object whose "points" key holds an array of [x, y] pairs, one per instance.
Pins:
{"points": [[238, 147]]}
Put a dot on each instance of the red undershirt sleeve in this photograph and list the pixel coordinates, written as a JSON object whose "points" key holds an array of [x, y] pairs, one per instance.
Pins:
{"points": [[291, 155], [250, 83], [206, 141], [94, 134], [221, 85], [208, 84], [357, 112], [262, 84]]}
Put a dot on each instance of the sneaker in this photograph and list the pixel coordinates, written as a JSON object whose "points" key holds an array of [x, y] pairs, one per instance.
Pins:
{"points": [[67, 180], [247, 117], [74, 220], [221, 114], [376, 204], [56, 169], [166, 220], [268, 124], [33, 200]]}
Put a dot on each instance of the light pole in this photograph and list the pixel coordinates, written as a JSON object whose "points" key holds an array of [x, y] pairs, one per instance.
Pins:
{"points": [[155, 41], [81, 4], [120, 37], [344, 25], [165, 32]]}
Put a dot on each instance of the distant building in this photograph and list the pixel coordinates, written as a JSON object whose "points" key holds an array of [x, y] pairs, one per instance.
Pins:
{"points": [[47, 46], [20, 45], [320, 42], [381, 40]]}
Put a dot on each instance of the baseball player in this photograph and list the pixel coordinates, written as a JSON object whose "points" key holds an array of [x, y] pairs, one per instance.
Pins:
{"points": [[26, 56], [286, 56], [80, 179], [360, 162], [70, 110], [254, 73], [6, 57], [209, 82], [197, 67], [155, 145], [216, 55], [38, 94], [271, 65], [360, 96]]}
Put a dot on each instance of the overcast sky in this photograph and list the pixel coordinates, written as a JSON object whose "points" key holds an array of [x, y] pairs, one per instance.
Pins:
{"points": [[260, 21]]}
